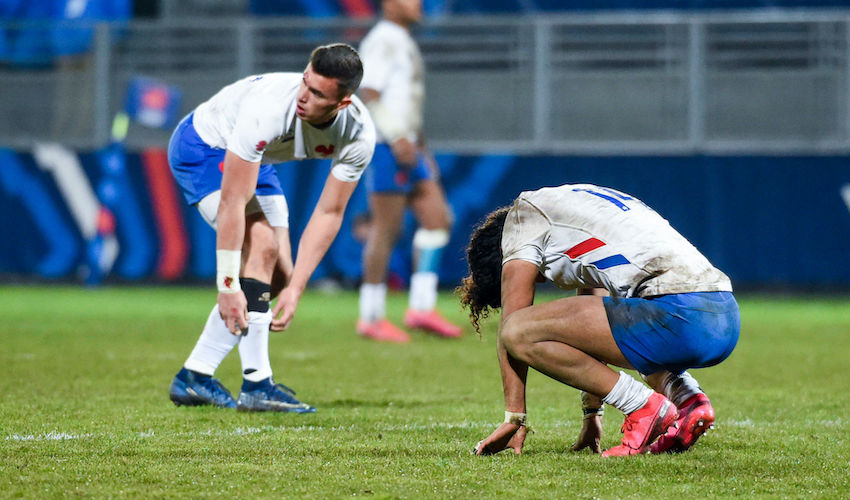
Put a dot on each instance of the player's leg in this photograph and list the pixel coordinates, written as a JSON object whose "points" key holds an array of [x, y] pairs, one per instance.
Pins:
{"points": [[571, 341], [387, 209], [665, 335], [194, 383], [259, 391], [387, 185], [696, 415], [432, 213], [195, 168]]}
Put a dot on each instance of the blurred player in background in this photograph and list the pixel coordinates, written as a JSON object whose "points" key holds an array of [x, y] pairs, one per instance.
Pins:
{"points": [[221, 156], [669, 310], [402, 174]]}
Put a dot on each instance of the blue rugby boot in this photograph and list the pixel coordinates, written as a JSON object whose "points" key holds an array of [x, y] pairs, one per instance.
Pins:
{"points": [[195, 389], [265, 395]]}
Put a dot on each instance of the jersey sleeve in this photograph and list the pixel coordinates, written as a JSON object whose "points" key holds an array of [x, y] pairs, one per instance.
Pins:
{"points": [[353, 159], [524, 234], [256, 126], [378, 56]]}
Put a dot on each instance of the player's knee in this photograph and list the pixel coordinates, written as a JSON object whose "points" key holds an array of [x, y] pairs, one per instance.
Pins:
{"points": [[270, 253], [513, 338], [263, 252]]}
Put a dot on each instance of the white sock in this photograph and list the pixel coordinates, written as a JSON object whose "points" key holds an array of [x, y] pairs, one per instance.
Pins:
{"points": [[373, 301], [423, 291], [254, 347], [628, 394], [214, 344], [679, 388]]}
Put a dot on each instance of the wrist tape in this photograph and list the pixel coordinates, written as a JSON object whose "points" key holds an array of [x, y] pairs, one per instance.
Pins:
{"points": [[386, 121], [227, 263], [516, 418], [593, 412]]}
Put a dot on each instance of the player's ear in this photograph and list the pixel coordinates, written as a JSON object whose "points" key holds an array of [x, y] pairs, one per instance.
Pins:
{"points": [[344, 102]]}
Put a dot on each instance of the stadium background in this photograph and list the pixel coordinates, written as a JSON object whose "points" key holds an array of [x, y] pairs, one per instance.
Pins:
{"points": [[732, 121]]}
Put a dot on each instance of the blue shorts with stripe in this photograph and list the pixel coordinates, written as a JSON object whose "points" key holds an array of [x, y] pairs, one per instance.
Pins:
{"points": [[674, 332], [384, 175], [197, 166]]}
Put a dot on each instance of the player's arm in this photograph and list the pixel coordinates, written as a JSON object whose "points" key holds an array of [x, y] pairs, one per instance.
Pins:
{"points": [[238, 183], [392, 129], [320, 232], [590, 434], [518, 279]]}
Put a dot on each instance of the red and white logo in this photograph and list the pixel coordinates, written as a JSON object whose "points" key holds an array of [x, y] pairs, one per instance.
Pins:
{"points": [[261, 145], [228, 281], [325, 150]]}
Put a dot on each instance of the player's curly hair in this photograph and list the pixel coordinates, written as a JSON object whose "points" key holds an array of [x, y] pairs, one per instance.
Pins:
{"points": [[340, 61], [481, 290]]}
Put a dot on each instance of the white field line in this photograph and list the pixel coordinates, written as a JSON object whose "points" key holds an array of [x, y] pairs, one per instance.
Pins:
{"points": [[268, 429], [48, 436]]}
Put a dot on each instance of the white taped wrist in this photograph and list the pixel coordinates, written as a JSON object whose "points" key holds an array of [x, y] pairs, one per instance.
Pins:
{"points": [[387, 122], [516, 418], [227, 263]]}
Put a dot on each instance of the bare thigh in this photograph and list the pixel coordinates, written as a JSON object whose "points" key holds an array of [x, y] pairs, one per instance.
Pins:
{"points": [[579, 322], [428, 203]]}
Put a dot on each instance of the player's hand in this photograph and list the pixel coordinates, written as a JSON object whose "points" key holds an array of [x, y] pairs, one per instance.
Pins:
{"points": [[285, 307], [506, 436], [590, 435], [233, 308], [404, 152]]}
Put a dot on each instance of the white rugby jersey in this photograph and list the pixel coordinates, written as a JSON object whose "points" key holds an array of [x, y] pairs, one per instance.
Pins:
{"points": [[255, 118], [582, 235], [392, 65]]}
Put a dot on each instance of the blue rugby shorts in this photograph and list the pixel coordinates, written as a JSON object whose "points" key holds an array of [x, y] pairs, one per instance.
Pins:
{"points": [[674, 332], [384, 175], [197, 166]]}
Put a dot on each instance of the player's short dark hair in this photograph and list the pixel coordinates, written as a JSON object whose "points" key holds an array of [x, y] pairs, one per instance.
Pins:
{"points": [[340, 61], [481, 290]]}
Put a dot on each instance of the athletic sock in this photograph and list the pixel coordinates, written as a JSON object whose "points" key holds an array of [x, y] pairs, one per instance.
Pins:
{"points": [[423, 291], [628, 394], [373, 300], [680, 388], [254, 346], [214, 344]]}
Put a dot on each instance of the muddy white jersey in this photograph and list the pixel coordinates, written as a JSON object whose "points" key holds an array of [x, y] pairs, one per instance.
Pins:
{"points": [[582, 235], [255, 119], [392, 65]]}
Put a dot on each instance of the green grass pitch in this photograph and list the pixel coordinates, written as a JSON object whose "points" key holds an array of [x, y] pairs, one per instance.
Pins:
{"points": [[84, 409]]}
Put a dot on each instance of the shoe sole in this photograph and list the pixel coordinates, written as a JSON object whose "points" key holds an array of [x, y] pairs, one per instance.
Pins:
{"points": [[433, 331], [192, 401], [695, 424], [698, 427], [189, 399], [247, 403], [383, 339], [276, 410]]}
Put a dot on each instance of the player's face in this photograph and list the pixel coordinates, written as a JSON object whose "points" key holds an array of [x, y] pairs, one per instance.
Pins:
{"points": [[406, 11], [318, 98]]}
